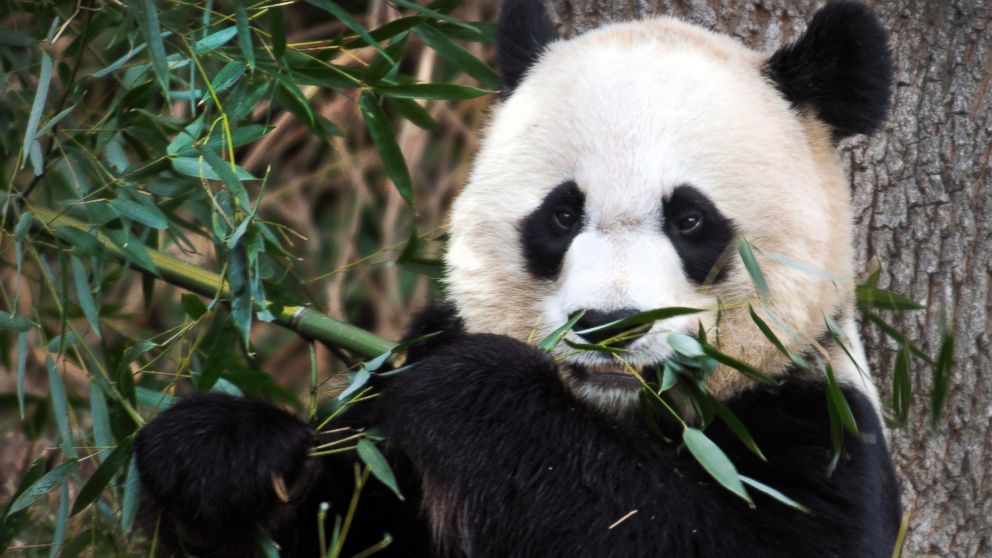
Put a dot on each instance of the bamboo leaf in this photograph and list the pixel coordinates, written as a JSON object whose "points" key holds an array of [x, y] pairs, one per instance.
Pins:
{"points": [[736, 426], [244, 33], [769, 491], [22, 360], [751, 265], [277, 31], [685, 345], [902, 385], [770, 335], [60, 406], [32, 149], [43, 486], [549, 343], [740, 366], [103, 475], [344, 17], [458, 56], [714, 461], [873, 297], [385, 143], [84, 294], [378, 465], [156, 47], [941, 377], [215, 40], [441, 91], [195, 167], [837, 400], [413, 112], [132, 489], [61, 518], [641, 318], [147, 215], [102, 436], [432, 14]]}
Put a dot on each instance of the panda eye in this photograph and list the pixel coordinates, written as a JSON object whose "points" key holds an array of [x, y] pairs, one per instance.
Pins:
{"points": [[565, 219], [690, 223]]}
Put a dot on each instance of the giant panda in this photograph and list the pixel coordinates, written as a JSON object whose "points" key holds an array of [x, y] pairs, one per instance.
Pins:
{"points": [[618, 171]]}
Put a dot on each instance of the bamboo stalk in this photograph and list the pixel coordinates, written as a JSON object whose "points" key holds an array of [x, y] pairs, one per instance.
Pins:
{"points": [[302, 319]]}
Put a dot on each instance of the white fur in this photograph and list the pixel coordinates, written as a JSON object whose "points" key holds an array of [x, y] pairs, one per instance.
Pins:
{"points": [[631, 111]]}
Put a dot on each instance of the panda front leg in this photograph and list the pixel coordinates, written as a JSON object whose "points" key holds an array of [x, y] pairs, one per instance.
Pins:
{"points": [[216, 466]]}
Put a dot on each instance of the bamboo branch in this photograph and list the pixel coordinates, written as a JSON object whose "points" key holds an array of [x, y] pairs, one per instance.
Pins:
{"points": [[302, 319]]}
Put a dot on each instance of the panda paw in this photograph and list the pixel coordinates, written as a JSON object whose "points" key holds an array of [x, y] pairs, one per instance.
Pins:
{"points": [[217, 465]]}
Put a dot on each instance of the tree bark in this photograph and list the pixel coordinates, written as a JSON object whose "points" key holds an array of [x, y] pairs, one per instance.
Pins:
{"points": [[923, 204]]}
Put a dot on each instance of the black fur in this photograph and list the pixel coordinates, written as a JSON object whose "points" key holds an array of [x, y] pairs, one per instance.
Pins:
{"points": [[524, 31], [840, 67], [207, 463], [513, 465], [701, 250], [544, 243], [518, 467]]}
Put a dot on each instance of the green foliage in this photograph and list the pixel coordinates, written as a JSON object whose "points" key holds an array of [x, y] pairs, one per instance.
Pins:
{"points": [[139, 137]]}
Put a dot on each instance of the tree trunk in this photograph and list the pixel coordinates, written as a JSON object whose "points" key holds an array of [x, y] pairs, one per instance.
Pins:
{"points": [[923, 203]]}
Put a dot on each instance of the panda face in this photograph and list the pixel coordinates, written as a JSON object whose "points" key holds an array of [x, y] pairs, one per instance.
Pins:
{"points": [[616, 178]]}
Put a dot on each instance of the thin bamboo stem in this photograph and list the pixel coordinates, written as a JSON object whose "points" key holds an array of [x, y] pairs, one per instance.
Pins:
{"points": [[304, 320]]}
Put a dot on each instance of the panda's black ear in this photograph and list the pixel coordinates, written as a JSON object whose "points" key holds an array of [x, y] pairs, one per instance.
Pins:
{"points": [[841, 67], [524, 31]]}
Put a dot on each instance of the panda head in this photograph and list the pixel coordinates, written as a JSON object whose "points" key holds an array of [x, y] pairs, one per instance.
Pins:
{"points": [[621, 166]]}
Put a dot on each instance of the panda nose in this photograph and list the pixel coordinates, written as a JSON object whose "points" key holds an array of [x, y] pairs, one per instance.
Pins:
{"points": [[595, 318]]}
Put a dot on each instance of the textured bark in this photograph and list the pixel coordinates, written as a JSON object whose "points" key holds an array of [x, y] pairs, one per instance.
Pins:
{"points": [[922, 191]]}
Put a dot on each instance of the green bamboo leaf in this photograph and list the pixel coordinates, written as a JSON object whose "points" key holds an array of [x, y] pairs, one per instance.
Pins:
{"points": [[432, 14], [12, 38], [22, 361], [385, 143], [277, 32], [60, 405], [873, 297], [549, 343], [596, 347], [193, 306], [52, 122], [32, 149], [668, 378], [102, 436], [133, 249], [225, 78], [197, 168], [770, 335], [382, 67], [902, 385], [440, 91], [897, 336], [413, 112], [685, 345], [147, 215], [837, 400], [61, 518], [215, 40], [84, 294], [344, 17], [751, 265], [769, 491], [156, 47], [714, 461], [641, 318], [19, 324], [941, 377], [230, 179], [43, 486], [103, 475], [244, 33], [378, 465], [218, 142], [12, 523], [736, 426], [458, 56], [129, 504], [740, 366]]}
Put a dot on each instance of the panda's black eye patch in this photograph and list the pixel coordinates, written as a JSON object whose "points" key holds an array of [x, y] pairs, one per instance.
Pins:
{"points": [[699, 232], [548, 231]]}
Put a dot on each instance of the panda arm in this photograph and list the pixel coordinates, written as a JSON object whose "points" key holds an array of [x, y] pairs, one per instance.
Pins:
{"points": [[511, 464], [209, 467]]}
